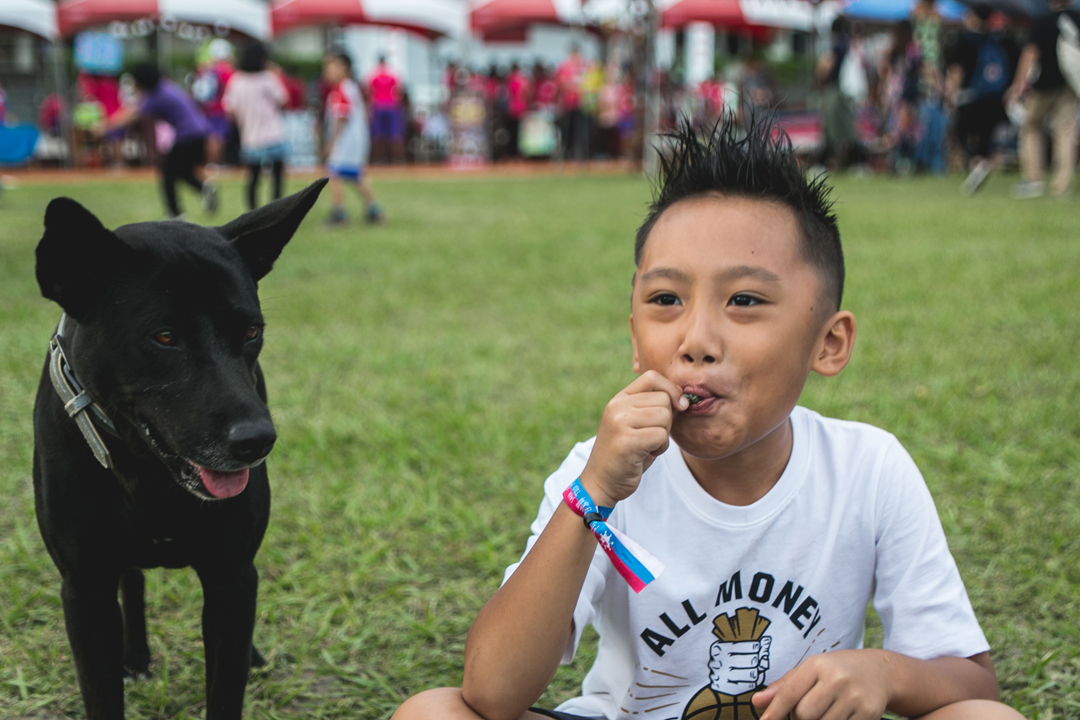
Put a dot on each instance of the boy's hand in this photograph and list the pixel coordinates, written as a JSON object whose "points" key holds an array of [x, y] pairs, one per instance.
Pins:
{"points": [[843, 684], [633, 432]]}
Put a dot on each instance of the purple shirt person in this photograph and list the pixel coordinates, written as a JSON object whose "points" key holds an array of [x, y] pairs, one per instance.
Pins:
{"points": [[169, 102], [162, 99]]}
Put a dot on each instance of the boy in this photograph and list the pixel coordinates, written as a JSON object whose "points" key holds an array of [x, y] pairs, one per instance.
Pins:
{"points": [[776, 525], [346, 140]]}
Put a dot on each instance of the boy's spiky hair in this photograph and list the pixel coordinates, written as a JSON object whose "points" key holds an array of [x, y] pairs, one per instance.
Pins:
{"points": [[758, 164]]}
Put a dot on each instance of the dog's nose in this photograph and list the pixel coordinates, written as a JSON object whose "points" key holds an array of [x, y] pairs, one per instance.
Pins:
{"points": [[251, 441]]}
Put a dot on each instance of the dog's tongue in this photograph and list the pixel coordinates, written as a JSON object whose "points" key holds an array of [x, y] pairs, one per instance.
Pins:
{"points": [[222, 484]]}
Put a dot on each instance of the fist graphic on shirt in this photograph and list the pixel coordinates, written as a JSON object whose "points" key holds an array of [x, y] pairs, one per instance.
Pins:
{"points": [[736, 667]]}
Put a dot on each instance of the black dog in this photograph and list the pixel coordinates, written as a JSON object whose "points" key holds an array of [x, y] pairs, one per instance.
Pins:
{"points": [[150, 431]]}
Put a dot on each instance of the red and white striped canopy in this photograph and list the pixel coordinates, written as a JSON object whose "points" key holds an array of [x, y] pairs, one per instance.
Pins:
{"points": [[250, 17], [431, 18], [735, 14], [505, 19]]}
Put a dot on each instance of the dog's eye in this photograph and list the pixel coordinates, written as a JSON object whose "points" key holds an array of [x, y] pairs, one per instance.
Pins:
{"points": [[165, 337], [253, 333]]}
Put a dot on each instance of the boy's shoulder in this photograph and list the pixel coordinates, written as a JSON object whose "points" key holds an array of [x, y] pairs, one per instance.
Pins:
{"points": [[859, 435]]}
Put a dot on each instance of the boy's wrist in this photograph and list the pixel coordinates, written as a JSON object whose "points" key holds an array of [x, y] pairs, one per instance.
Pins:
{"points": [[599, 497]]}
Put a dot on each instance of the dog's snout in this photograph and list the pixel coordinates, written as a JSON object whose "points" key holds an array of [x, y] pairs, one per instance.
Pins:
{"points": [[251, 441]]}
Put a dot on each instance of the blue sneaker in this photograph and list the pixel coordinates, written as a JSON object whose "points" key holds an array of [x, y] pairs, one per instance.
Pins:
{"points": [[337, 217]]}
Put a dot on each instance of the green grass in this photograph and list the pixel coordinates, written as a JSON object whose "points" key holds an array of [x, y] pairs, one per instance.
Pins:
{"points": [[427, 375]]}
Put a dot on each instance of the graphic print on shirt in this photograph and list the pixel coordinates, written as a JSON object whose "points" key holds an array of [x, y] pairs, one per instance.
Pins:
{"points": [[738, 660], [762, 627]]}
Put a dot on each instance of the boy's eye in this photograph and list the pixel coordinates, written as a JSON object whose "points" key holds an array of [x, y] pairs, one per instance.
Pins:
{"points": [[665, 299], [743, 300]]}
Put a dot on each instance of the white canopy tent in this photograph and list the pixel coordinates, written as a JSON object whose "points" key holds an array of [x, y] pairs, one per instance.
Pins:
{"points": [[34, 16]]}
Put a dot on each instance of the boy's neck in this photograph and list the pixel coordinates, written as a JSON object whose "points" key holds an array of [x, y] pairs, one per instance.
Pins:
{"points": [[748, 475]]}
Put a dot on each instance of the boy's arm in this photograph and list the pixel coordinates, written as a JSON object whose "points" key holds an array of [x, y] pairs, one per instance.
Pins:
{"points": [[925, 613], [517, 640], [862, 684], [338, 126]]}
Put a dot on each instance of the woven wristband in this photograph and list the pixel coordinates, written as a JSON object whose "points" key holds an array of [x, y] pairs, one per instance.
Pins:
{"points": [[636, 565]]}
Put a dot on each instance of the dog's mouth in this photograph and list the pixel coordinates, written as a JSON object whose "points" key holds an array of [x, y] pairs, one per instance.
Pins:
{"points": [[203, 482], [223, 483]]}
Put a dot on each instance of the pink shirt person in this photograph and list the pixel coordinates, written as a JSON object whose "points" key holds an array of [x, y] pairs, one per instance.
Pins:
{"points": [[385, 93]]}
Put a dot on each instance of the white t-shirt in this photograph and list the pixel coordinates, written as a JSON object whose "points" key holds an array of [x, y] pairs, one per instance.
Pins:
{"points": [[256, 99], [351, 145], [749, 592]]}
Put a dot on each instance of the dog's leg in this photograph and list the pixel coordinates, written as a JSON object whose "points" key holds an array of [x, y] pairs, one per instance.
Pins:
{"points": [[228, 624], [257, 660], [92, 618], [136, 650]]}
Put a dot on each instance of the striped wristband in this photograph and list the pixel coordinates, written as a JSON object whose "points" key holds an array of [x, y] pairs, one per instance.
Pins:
{"points": [[633, 562]]}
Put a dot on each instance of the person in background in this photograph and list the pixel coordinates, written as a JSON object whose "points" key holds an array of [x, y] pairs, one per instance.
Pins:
{"points": [[607, 112], [496, 105], [388, 122], [1048, 96], [346, 142], [253, 99], [756, 97], [575, 124], [837, 113], [927, 28], [162, 99], [979, 71], [517, 104], [105, 91], [3, 105], [900, 96], [208, 88], [710, 101], [545, 89]]}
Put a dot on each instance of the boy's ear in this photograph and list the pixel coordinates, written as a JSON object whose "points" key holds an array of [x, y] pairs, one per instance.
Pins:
{"points": [[260, 235], [633, 343], [835, 343], [77, 257]]}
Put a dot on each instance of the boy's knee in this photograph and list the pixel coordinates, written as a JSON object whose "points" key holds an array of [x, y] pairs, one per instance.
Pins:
{"points": [[975, 710], [436, 703]]}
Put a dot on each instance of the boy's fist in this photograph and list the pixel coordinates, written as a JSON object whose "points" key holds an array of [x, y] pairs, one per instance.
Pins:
{"points": [[633, 432]]}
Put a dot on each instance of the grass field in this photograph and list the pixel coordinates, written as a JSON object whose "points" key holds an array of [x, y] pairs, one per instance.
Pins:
{"points": [[427, 375]]}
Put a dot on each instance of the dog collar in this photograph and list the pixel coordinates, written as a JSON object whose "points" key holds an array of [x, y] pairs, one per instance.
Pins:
{"points": [[78, 404]]}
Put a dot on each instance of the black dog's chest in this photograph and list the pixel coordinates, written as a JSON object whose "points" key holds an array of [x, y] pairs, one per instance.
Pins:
{"points": [[164, 552]]}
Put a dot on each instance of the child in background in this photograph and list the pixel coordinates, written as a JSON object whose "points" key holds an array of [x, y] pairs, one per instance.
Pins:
{"points": [[346, 143], [208, 88], [770, 527], [254, 98], [162, 99]]}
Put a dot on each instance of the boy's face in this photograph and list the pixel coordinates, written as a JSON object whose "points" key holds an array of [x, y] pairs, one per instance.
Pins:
{"points": [[725, 307], [333, 70]]}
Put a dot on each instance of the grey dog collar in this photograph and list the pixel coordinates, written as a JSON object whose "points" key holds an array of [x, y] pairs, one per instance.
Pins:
{"points": [[77, 402]]}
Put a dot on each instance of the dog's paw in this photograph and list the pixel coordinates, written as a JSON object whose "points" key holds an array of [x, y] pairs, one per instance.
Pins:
{"points": [[131, 678], [257, 660]]}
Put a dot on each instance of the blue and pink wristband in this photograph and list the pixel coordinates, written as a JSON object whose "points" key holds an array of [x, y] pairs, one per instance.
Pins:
{"points": [[636, 565]]}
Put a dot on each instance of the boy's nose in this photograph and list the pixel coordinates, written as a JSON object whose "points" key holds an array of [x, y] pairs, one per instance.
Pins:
{"points": [[700, 342]]}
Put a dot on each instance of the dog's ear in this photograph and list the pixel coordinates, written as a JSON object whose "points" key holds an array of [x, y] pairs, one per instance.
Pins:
{"points": [[76, 257], [260, 235]]}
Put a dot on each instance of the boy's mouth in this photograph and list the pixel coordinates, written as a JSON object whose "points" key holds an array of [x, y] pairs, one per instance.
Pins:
{"points": [[700, 397]]}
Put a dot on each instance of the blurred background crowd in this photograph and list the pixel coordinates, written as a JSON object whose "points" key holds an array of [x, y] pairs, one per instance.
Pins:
{"points": [[898, 86]]}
